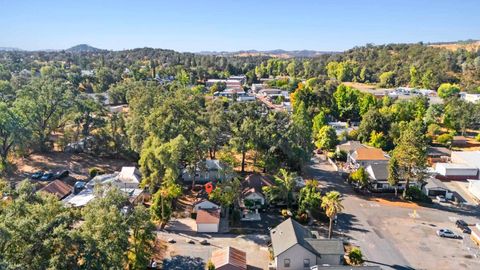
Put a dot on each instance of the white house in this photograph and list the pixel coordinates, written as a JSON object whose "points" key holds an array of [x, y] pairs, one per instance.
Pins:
{"points": [[207, 171], [208, 220], [295, 247], [204, 204]]}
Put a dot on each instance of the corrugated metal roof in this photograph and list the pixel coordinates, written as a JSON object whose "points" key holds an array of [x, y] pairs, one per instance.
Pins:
{"points": [[229, 258]]}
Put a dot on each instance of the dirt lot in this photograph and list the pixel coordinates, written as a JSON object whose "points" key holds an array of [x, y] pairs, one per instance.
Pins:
{"points": [[182, 255], [77, 164]]}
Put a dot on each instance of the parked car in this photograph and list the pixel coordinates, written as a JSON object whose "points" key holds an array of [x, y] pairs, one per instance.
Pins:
{"points": [[79, 186], [171, 240], [462, 225], [47, 176], [204, 242], [37, 175], [61, 174], [448, 234], [189, 241]]}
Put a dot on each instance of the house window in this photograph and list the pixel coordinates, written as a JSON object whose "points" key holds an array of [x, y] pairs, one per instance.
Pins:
{"points": [[306, 263], [286, 263]]}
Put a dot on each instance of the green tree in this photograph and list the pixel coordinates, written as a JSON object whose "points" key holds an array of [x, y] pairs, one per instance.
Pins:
{"points": [[427, 79], [104, 78], [318, 122], [309, 197], [447, 90], [347, 102], [283, 190], [360, 177], [355, 256], [410, 154], [13, 132], [43, 103], [326, 138], [378, 140], [142, 238], [387, 79], [414, 76], [332, 204], [162, 202]]}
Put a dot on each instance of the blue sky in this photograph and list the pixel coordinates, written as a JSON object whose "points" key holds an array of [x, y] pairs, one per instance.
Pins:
{"points": [[199, 25]]}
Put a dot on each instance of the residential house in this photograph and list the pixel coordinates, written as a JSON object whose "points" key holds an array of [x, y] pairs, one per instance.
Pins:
{"points": [[208, 220], [57, 188], [350, 147], [211, 82], [341, 127], [252, 194], [256, 87], [204, 204], [295, 247], [210, 170], [455, 171], [366, 156], [229, 258], [378, 175], [435, 187], [240, 78], [127, 181]]}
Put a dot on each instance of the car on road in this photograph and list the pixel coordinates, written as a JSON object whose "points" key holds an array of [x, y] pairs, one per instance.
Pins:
{"points": [[204, 242], [61, 174], [171, 241], [462, 225], [189, 241], [47, 176], [448, 234], [37, 175]]}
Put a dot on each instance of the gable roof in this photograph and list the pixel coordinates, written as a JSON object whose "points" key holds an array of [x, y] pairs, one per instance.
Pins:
{"points": [[255, 183], [350, 146], [57, 188], [369, 154], [208, 216], [290, 233], [129, 175], [378, 171], [205, 201], [229, 258]]}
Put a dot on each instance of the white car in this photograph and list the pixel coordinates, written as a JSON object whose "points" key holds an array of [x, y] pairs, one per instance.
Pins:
{"points": [[448, 234], [441, 198]]}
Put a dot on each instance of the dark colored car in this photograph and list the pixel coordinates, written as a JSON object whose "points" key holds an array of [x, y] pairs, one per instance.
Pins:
{"points": [[61, 174], [79, 186], [462, 225], [37, 175], [47, 176]]}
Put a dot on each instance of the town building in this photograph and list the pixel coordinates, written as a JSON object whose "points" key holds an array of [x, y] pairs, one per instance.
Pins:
{"points": [[295, 247]]}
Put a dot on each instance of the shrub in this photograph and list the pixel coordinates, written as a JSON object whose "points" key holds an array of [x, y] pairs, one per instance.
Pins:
{"points": [[445, 139], [210, 265], [355, 256], [478, 137], [285, 213], [353, 134], [94, 172], [415, 194]]}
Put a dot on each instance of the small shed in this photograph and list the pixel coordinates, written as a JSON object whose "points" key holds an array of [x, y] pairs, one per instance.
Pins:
{"points": [[57, 188], [208, 220], [229, 258]]}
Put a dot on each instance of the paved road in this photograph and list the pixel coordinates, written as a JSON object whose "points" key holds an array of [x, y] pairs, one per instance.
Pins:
{"points": [[397, 237]]}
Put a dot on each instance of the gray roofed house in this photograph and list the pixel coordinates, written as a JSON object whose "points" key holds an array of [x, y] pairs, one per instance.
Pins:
{"points": [[378, 175], [295, 247], [350, 146]]}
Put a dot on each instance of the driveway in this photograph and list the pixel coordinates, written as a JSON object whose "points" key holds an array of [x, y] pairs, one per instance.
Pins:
{"points": [[182, 255], [398, 235]]}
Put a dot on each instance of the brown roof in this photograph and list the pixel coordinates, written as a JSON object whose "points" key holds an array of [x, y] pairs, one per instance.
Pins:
{"points": [[57, 188], [255, 182], [229, 258], [369, 154], [208, 216]]}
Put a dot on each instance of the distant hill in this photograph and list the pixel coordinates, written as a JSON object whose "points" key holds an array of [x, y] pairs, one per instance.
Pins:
{"points": [[469, 45], [9, 49], [83, 48], [272, 53]]}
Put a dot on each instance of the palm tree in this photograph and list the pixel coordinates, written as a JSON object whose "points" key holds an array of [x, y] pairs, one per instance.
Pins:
{"points": [[283, 190], [332, 204]]}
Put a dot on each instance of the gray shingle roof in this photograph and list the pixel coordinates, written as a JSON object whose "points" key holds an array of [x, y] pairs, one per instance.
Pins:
{"points": [[289, 233]]}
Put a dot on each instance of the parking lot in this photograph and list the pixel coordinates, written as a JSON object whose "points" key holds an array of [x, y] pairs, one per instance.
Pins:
{"points": [[183, 255]]}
